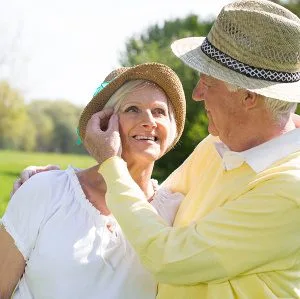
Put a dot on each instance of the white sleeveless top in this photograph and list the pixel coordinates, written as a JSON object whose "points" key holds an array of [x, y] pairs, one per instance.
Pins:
{"points": [[69, 251]]}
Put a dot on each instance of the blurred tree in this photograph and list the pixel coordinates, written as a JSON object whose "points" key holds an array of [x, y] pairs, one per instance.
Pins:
{"points": [[43, 123], [56, 122], [65, 117], [16, 128], [154, 45], [292, 5]]}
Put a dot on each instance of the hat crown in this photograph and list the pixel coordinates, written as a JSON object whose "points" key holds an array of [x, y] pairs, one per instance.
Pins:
{"points": [[115, 73], [258, 33], [160, 74]]}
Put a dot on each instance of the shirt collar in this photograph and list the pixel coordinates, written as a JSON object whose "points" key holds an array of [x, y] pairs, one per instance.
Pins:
{"points": [[262, 156]]}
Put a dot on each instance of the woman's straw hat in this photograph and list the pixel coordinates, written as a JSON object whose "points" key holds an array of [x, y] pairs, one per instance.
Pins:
{"points": [[157, 73], [254, 44]]}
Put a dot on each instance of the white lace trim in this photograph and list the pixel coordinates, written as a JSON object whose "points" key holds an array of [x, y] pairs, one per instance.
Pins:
{"points": [[167, 203], [84, 202]]}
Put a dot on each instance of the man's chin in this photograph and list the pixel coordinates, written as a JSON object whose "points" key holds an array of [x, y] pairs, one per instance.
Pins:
{"points": [[212, 132]]}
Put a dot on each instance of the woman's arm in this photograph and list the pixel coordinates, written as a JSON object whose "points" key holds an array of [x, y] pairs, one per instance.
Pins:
{"points": [[12, 264], [20, 227]]}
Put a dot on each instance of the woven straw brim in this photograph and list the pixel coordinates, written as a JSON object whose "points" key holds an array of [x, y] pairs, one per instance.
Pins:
{"points": [[189, 51], [160, 74]]}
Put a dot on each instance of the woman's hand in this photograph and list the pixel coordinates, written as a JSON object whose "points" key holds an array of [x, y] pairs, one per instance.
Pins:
{"points": [[29, 172], [103, 143]]}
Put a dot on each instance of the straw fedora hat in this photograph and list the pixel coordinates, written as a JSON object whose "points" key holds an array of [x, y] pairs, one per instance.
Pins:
{"points": [[157, 73], [253, 44]]}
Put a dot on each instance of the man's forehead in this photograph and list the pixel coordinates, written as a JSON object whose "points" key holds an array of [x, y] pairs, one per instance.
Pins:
{"points": [[207, 78]]}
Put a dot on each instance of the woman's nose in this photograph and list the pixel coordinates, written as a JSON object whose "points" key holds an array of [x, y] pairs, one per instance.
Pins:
{"points": [[149, 120]]}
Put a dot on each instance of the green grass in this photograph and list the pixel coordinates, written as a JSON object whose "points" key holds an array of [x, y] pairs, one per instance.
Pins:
{"points": [[12, 163]]}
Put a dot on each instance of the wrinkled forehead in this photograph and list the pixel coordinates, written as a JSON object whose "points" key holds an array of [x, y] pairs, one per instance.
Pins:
{"points": [[146, 92], [148, 85], [208, 79], [136, 89]]}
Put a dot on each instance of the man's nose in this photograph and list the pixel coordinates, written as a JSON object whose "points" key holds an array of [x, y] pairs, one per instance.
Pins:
{"points": [[199, 92]]}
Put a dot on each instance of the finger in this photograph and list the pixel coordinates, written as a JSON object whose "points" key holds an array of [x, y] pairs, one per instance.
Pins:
{"points": [[94, 123], [113, 125], [31, 167], [48, 167], [17, 184], [107, 111], [26, 174], [105, 116], [54, 167]]}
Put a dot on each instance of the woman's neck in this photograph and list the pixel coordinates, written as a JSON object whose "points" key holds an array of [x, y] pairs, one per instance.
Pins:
{"points": [[141, 174], [94, 186]]}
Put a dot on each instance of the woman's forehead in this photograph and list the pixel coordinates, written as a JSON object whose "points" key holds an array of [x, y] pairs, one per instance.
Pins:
{"points": [[147, 94]]}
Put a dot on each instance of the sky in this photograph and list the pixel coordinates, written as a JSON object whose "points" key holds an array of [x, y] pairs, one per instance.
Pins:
{"points": [[63, 49]]}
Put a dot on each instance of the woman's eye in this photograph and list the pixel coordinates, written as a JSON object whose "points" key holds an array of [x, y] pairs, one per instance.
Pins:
{"points": [[132, 109], [160, 111]]}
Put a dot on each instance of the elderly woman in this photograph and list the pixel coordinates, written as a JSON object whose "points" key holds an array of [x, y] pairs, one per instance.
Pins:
{"points": [[58, 238]]}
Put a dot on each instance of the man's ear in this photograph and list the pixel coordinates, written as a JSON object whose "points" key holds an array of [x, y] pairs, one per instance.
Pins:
{"points": [[250, 100]]}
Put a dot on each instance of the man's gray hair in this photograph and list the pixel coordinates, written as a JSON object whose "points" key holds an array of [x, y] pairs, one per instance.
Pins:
{"points": [[117, 98], [280, 110]]}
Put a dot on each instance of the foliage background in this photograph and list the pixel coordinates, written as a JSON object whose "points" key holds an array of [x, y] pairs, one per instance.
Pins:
{"points": [[49, 126]]}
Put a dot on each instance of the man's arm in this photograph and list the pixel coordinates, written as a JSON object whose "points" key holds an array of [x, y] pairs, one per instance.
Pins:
{"points": [[180, 180], [28, 172], [12, 264], [253, 231]]}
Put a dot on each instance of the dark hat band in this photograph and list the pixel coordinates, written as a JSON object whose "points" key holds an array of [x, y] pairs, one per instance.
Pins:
{"points": [[245, 69]]}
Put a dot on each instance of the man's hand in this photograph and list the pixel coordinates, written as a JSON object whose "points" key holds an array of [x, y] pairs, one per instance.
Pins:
{"points": [[102, 138], [28, 172]]}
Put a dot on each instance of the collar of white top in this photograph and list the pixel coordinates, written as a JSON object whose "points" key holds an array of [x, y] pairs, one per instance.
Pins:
{"points": [[262, 156]]}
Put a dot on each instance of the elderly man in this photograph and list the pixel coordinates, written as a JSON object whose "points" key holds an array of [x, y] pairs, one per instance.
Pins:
{"points": [[237, 233]]}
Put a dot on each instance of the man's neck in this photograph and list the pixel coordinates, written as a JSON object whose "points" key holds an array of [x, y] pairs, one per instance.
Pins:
{"points": [[254, 137]]}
